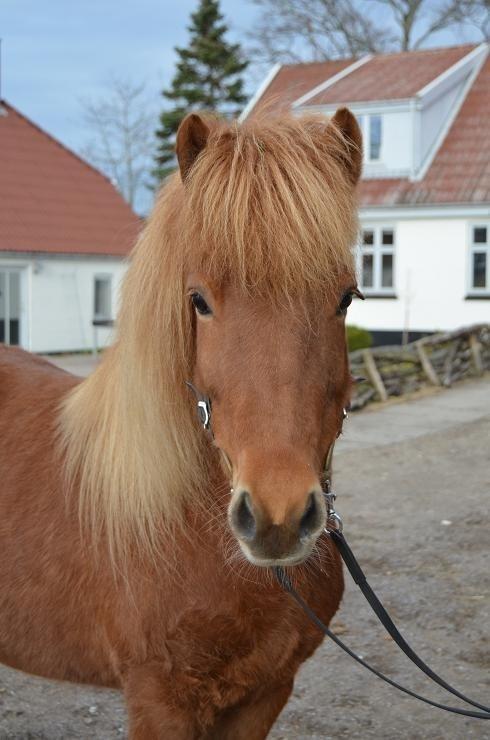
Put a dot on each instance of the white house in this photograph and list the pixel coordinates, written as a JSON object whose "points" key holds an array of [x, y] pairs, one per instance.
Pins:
{"points": [[64, 234], [424, 252]]}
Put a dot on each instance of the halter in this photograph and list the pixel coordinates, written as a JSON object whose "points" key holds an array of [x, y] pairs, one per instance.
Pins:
{"points": [[334, 531]]}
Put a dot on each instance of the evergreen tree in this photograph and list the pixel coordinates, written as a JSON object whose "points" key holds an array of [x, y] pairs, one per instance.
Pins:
{"points": [[207, 78]]}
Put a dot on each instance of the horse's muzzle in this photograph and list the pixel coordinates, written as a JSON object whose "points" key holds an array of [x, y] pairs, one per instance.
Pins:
{"points": [[265, 541]]}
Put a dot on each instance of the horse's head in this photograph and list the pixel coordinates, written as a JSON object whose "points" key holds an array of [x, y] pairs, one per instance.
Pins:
{"points": [[270, 347]]}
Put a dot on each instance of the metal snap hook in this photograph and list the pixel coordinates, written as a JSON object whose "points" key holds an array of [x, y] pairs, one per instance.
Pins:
{"points": [[333, 518]]}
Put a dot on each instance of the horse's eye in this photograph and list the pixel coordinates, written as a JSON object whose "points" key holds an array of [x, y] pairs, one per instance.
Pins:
{"points": [[344, 304], [200, 304]]}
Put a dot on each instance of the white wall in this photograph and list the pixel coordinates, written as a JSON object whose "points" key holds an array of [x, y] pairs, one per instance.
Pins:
{"points": [[58, 300], [431, 274]]}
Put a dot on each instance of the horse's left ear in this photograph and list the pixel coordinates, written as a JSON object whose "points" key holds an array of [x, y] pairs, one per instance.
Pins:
{"points": [[346, 122], [192, 137]]}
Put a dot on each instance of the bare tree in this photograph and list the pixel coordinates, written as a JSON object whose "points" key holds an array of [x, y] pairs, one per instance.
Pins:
{"points": [[294, 30], [121, 125], [417, 20], [297, 30]]}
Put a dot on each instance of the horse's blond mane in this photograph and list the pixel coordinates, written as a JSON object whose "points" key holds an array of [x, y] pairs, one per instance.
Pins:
{"points": [[268, 205]]}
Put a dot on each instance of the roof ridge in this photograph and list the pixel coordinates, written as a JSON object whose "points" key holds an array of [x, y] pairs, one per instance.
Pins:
{"points": [[61, 145], [400, 52], [335, 60], [430, 50]]}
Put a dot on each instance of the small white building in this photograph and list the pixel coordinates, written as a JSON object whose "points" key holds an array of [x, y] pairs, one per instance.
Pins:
{"points": [[64, 234], [424, 252]]}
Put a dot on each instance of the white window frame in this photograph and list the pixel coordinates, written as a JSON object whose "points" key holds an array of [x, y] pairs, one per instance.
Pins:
{"points": [[106, 277], [478, 247], [377, 250], [364, 121]]}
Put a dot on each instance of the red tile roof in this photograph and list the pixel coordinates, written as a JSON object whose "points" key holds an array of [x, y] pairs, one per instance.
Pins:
{"points": [[53, 201], [391, 76], [294, 80]]}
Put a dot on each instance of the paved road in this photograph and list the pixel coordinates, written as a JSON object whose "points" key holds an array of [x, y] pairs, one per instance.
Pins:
{"points": [[434, 412], [413, 484]]}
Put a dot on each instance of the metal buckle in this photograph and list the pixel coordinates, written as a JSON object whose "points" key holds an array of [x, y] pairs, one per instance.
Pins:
{"points": [[333, 519], [204, 415]]}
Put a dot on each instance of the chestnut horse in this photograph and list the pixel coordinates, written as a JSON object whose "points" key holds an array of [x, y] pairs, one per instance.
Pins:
{"points": [[126, 560]]}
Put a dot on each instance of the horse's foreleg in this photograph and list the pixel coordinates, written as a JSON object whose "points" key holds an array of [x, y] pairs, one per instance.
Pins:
{"points": [[150, 716], [251, 720]]}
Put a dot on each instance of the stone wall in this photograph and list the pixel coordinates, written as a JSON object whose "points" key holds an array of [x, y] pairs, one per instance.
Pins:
{"points": [[438, 360]]}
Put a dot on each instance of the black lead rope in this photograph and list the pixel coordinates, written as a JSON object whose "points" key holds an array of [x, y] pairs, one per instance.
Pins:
{"points": [[360, 579]]}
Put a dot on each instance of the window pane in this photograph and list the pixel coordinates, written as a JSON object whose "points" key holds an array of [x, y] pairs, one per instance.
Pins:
{"points": [[374, 137], [14, 295], [102, 298], [368, 237], [367, 270], [480, 235], [387, 271], [387, 237], [479, 269], [14, 308]]}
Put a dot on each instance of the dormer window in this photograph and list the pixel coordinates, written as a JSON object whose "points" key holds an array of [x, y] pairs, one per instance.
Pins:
{"points": [[374, 138], [372, 133]]}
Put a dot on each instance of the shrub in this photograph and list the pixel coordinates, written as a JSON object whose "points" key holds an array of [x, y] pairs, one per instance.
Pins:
{"points": [[358, 338]]}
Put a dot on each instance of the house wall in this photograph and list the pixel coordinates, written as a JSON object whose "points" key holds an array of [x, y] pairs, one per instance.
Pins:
{"points": [[431, 280], [57, 300]]}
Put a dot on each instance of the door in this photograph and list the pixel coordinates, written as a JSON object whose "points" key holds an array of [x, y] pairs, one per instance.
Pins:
{"points": [[10, 306]]}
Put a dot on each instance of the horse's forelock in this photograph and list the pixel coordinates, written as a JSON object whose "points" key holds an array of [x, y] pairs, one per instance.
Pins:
{"points": [[271, 204]]}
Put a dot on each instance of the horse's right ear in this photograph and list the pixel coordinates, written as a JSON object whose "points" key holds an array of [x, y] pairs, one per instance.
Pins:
{"points": [[192, 137]]}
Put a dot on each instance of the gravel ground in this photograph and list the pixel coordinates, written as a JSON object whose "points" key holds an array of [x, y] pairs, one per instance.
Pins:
{"points": [[412, 481]]}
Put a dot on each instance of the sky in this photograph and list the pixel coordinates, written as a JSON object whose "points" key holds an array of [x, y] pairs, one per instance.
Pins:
{"points": [[58, 52]]}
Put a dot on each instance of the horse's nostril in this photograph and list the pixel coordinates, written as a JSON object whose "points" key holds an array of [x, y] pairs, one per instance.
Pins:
{"points": [[310, 521], [243, 518]]}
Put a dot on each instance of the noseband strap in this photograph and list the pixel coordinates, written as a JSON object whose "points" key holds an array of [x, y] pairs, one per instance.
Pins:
{"points": [[203, 407]]}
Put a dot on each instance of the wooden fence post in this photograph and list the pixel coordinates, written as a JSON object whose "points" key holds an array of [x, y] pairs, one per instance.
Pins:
{"points": [[475, 348], [373, 374], [426, 364]]}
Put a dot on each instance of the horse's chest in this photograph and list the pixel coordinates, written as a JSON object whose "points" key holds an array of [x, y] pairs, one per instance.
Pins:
{"points": [[217, 659]]}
